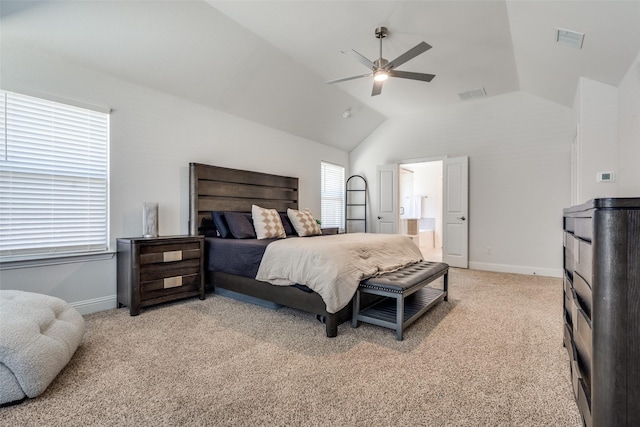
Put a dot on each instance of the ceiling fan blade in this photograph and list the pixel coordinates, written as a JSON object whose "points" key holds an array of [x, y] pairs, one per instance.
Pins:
{"points": [[360, 58], [413, 76], [410, 54], [344, 79], [377, 88]]}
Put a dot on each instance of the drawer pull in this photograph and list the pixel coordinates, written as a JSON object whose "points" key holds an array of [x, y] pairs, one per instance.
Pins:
{"points": [[172, 256], [172, 282]]}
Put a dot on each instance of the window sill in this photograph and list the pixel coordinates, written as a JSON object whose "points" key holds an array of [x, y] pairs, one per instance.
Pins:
{"points": [[47, 260]]}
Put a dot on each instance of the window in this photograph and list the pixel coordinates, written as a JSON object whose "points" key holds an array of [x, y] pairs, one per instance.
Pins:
{"points": [[53, 178], [332, 195]]}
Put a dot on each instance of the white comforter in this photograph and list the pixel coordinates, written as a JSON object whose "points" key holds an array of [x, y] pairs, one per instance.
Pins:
{"points": [[333, 266]]}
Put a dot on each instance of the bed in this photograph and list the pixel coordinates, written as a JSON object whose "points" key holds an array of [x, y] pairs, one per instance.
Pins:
{"points": [[218, 189]]}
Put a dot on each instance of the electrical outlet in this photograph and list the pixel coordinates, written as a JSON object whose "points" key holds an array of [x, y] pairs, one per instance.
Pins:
{"points": [[489, 250]]}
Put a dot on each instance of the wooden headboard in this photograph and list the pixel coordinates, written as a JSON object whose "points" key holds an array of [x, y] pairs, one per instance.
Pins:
{"points": [[212, 188]]}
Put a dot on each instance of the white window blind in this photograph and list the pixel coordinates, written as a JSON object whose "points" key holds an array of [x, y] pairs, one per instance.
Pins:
{"points": [[53, 177], [332, 195]]}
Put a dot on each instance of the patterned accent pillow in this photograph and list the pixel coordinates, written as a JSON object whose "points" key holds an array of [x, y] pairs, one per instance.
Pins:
{"points": [[267, 223], [304, 223]]}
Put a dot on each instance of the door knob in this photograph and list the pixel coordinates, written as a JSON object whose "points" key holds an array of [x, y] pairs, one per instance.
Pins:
{"points": [[462, 218], [379, 217]]}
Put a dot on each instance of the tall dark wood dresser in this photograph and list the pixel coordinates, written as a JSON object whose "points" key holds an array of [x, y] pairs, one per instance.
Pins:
{"points": [[602, 309]]}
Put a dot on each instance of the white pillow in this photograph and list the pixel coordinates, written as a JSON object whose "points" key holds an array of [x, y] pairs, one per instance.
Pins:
{"points": [[267, 223], [304, 223]]}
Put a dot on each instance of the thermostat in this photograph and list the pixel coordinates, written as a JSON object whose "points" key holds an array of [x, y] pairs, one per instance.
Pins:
{"points": [[605, 177]]}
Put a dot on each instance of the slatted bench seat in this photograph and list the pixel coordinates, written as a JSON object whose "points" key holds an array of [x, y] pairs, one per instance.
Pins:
{"points": [[407, 296]]}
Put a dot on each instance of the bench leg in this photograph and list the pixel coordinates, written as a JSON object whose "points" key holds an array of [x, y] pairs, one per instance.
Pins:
{"points": [[356, 310], [399, 316], [445, 288]]}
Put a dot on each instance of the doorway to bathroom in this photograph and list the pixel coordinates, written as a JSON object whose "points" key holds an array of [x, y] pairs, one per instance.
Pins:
{"points": [[421, 206]]}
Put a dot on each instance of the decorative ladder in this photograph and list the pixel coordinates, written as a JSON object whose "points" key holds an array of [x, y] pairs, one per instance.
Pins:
{"points": [[355, 212]]}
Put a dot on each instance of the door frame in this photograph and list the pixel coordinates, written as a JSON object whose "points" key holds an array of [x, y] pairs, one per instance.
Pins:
{"points": [[435, 159]]}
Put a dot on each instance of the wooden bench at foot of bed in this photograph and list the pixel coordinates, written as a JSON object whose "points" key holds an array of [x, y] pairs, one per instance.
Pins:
{"points": [[407, 297]]}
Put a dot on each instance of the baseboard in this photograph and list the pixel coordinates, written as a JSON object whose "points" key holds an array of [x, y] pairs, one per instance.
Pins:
{"points": [[96, 304], [518, 269], [109, 302]]}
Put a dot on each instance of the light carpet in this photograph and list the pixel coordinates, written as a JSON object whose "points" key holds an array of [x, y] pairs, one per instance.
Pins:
{"points": [[490, 356]]}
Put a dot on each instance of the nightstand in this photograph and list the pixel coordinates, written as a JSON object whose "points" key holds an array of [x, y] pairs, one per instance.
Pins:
{"points": [[329, 230], [159, 269]]}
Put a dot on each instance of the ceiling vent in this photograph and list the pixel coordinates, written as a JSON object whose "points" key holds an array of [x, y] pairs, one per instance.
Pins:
{"points": [[472, 94], [569, 38]]}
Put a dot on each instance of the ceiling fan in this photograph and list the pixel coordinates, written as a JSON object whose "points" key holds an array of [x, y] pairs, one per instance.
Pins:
{"points": [[381, 69]]}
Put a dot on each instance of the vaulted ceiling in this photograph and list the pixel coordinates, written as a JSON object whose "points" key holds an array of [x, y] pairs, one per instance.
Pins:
{"points": [[267, 61]]}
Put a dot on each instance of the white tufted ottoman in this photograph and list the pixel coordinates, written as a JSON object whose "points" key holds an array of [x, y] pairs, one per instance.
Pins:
{"points": [[38, 336]]}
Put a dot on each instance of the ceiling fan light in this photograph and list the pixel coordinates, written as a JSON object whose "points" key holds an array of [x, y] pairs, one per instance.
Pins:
{"points": [[380, 76]]}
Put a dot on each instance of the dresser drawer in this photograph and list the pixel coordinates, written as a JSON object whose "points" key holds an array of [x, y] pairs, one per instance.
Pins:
{"points": [[583, 228], [568, 342], [583, 343], [569, 267], [575, 372], [583, 292], [569, 224], [583, 260], [570, 307], [584, 403]]}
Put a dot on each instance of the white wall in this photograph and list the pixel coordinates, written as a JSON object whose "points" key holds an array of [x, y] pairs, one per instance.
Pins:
{"points": [[519, 175], [154, 136], [597, 114], [629, 132], [609, 123]]}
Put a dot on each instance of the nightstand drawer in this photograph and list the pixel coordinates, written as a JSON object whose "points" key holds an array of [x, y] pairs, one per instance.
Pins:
{"points": [[177, 268], [169, 285], [157, 254]]}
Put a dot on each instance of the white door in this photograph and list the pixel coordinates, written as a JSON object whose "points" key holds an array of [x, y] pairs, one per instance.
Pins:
{"points": [[455, 245], [387, 217]]}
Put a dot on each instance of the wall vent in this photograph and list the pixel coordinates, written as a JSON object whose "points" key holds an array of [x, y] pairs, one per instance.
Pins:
{"points": [[569, 38], [472, 94]]}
